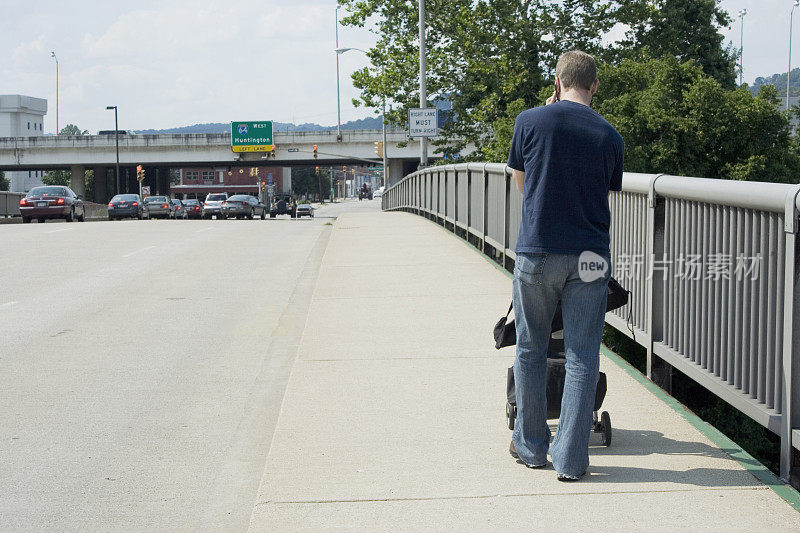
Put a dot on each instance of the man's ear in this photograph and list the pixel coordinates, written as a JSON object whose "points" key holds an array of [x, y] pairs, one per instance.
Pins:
{"points": [[595, 85]]}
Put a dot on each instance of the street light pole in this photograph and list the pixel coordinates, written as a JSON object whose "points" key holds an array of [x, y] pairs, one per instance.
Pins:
{"points": [[340, 51], [53, 55], [338, 97], [423, 82], [789, 72], [116, 139], [742, 13]]}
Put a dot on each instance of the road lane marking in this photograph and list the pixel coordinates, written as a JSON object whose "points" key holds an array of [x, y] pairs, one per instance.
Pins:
{"points": [[8, 305], [204, 229], [139, 251], [57, 230]]}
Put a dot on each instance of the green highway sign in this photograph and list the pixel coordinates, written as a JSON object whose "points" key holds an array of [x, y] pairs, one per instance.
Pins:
{"points": [[251, 136]]}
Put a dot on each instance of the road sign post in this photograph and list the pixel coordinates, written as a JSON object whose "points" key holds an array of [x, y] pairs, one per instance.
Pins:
{"points": [[252, 136]]}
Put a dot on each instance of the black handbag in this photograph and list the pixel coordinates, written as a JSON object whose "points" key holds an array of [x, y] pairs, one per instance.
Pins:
{"points": [[505, 331]]}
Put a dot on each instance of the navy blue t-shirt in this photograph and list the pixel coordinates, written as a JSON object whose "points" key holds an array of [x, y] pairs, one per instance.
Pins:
{"points": [[571, 157]]}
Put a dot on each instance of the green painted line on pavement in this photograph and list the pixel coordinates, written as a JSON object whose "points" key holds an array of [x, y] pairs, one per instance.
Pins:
{"points": [[748, 462]]}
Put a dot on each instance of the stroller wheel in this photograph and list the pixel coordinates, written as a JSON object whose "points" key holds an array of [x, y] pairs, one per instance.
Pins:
{"points": [[605, 424], [511, 415]]}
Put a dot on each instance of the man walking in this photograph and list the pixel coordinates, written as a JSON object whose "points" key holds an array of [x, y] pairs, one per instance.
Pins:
{"points": [[565, 159]]}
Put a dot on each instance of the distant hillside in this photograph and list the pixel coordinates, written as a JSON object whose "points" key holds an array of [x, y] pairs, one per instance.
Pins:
{"points": [[779, 81], [370, 123]]}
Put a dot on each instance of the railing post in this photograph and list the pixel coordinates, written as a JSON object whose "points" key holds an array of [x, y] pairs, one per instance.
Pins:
{"points": [[790, 398], [469, 201], [485, 200], [455, 200], [506, 196], [657, 370]]}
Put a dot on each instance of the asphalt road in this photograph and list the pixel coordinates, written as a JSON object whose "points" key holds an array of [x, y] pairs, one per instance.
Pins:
{"points": [[143, 366]]}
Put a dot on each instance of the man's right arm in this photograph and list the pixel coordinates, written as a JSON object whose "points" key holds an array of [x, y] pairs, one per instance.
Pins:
{"points": [[515, 158], [519, 179]]}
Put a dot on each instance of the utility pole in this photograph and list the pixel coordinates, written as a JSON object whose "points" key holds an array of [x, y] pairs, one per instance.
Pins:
{"points": [[789, 72], [742, 13], [116, 140], [338, 97], [423, 89], [53, 55]]}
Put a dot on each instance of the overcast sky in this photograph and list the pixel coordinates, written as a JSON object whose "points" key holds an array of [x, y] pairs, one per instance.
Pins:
{"points": [[169, 63]]}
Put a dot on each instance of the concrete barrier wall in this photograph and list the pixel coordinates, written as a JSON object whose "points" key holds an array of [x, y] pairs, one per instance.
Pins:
{"points": [[9, 203]]}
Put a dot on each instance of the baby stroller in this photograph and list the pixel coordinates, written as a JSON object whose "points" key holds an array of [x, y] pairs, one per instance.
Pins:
{"points": [[556, 372]]}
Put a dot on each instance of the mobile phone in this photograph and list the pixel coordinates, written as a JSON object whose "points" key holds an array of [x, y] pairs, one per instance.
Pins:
{"points": [[558, 91]]}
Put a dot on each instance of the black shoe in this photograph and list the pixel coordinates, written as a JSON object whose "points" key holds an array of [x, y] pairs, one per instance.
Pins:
{"points": [[567, 478], [513, 451]]}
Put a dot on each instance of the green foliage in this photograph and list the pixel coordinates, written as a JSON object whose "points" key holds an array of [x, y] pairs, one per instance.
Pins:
{"points": [[306, 182], [779, 81], [57, 177], [4, 184], [487, 56], [72, 129], [677, 119], [63, 177], [683, 29]]}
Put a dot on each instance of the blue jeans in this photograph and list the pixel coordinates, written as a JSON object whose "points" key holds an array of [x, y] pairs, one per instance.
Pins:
{"points": [[540, 281]]}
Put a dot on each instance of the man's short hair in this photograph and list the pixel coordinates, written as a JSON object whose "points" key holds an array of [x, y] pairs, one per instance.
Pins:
{"points": [[576, 69]]}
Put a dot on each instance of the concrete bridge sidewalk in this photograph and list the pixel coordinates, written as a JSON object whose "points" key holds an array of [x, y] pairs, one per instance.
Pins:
{"points": [[393, 417]]}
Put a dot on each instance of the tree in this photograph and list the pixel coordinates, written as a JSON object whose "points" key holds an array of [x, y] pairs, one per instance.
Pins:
{"points": [[63, 177], [4, 184], [489, 57], [72, 129], [684, 29], [306, 182], [677, 119]]}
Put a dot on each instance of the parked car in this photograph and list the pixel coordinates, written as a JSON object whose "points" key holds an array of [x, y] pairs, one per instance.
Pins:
{"points": [[127, 206], [159, 207], [243, 205], [213, 204], [193, 208], [282, 205], [52, 201], [378, 193], [180, 209], [305, 210]]}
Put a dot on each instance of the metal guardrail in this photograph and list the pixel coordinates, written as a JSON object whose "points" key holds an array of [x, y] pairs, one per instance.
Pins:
{"points": [[713, 267], [9, 203]]}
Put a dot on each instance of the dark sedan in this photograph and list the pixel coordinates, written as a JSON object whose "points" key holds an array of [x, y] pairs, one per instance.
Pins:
{"points": [[160, 207], [127, 206], [243, 205], [52, 202], [180, 208], [193, 208]]}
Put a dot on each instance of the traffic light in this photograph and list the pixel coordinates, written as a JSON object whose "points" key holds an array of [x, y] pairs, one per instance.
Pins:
{"points": [[272, 152], [379, 148], [139, 173], [344, 168], [316, 171], [315, 152]]}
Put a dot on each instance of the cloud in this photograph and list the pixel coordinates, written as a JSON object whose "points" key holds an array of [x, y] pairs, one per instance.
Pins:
{"points": [[29, 51]]}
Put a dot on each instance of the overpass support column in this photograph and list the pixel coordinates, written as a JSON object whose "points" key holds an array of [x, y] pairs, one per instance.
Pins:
{"points": [[395, 173], [78, 180], [100, 185]]}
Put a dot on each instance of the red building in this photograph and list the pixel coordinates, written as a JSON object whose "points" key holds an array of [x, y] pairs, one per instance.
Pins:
{"points": [[198, 182]]}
